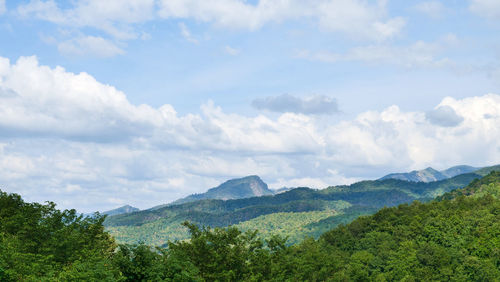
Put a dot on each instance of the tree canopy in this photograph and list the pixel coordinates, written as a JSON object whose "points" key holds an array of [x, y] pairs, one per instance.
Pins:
{"points": [[456, 237]]}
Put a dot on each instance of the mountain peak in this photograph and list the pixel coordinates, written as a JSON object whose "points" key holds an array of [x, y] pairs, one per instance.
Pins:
{"points": [[245, 187], [121, 210], [430, 169]]}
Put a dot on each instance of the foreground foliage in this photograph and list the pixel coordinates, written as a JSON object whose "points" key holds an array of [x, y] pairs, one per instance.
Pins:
{"points": [[40, 241], [456, 237]]}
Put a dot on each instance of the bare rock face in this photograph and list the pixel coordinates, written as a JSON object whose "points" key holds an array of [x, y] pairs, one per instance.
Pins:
{"points": [[246, 187]]}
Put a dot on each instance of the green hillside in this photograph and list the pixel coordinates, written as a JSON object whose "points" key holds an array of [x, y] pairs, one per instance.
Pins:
{"points": [[429, 174], [478, 188], [446, 240], [456, 239], [158, 226], [453, 238], [486, 170], [121, 210]]}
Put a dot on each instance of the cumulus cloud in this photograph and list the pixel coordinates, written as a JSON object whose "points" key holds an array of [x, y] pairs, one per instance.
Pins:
{"points": [[486, 8], [444, 116], [52, 102], [89, 45], [69, 138], [318, 104]]}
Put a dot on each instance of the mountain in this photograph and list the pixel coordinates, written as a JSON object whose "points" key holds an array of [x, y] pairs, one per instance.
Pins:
{"points": [[121, 210], [459, 169], [246, 187], [301, 212], [452, 238], [429, 174]]}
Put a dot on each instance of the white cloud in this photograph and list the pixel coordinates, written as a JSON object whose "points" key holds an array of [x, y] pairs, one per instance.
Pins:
{"points": [[89, 45], [353, 17], [111, 16], [186, 33], [433, 9], [69, 138], [358, 18], [348, 16], [49, 102], [404, 138], [486, 8], [3, 7]]}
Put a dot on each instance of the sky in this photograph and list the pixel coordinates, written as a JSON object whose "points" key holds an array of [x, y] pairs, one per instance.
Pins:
{"points": [[141, 102]]}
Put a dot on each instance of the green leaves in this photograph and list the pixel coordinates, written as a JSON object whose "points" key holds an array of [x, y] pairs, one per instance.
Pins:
{"points": [[40, 242]]}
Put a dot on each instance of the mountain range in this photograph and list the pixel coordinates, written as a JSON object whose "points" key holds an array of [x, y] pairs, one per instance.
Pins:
{"points": [[296, 213], [429, 174]]}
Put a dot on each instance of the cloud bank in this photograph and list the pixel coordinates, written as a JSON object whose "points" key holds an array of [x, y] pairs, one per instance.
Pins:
{"points": [[69, 138]]}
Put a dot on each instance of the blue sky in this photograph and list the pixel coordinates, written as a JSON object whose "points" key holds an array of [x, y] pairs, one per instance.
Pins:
{"points": [[104, 103]]}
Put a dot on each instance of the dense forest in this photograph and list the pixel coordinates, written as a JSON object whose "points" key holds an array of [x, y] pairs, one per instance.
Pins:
{"points": [[455, 237], [304, 212]]}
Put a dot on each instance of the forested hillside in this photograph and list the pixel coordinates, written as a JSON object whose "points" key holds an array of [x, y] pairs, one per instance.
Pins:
{"points": [[318, 210], [456, 239], [453, 238]]}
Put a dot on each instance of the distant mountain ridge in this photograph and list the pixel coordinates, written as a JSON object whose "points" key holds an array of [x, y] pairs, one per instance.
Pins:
{"points": [[429, 174], [246, 187], [299, 212], [121, 210], [330, 206]]}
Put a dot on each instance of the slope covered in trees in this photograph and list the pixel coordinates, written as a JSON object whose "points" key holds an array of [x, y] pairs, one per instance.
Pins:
{"points": [[156, 227], [429, 174], [454, 238]]}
